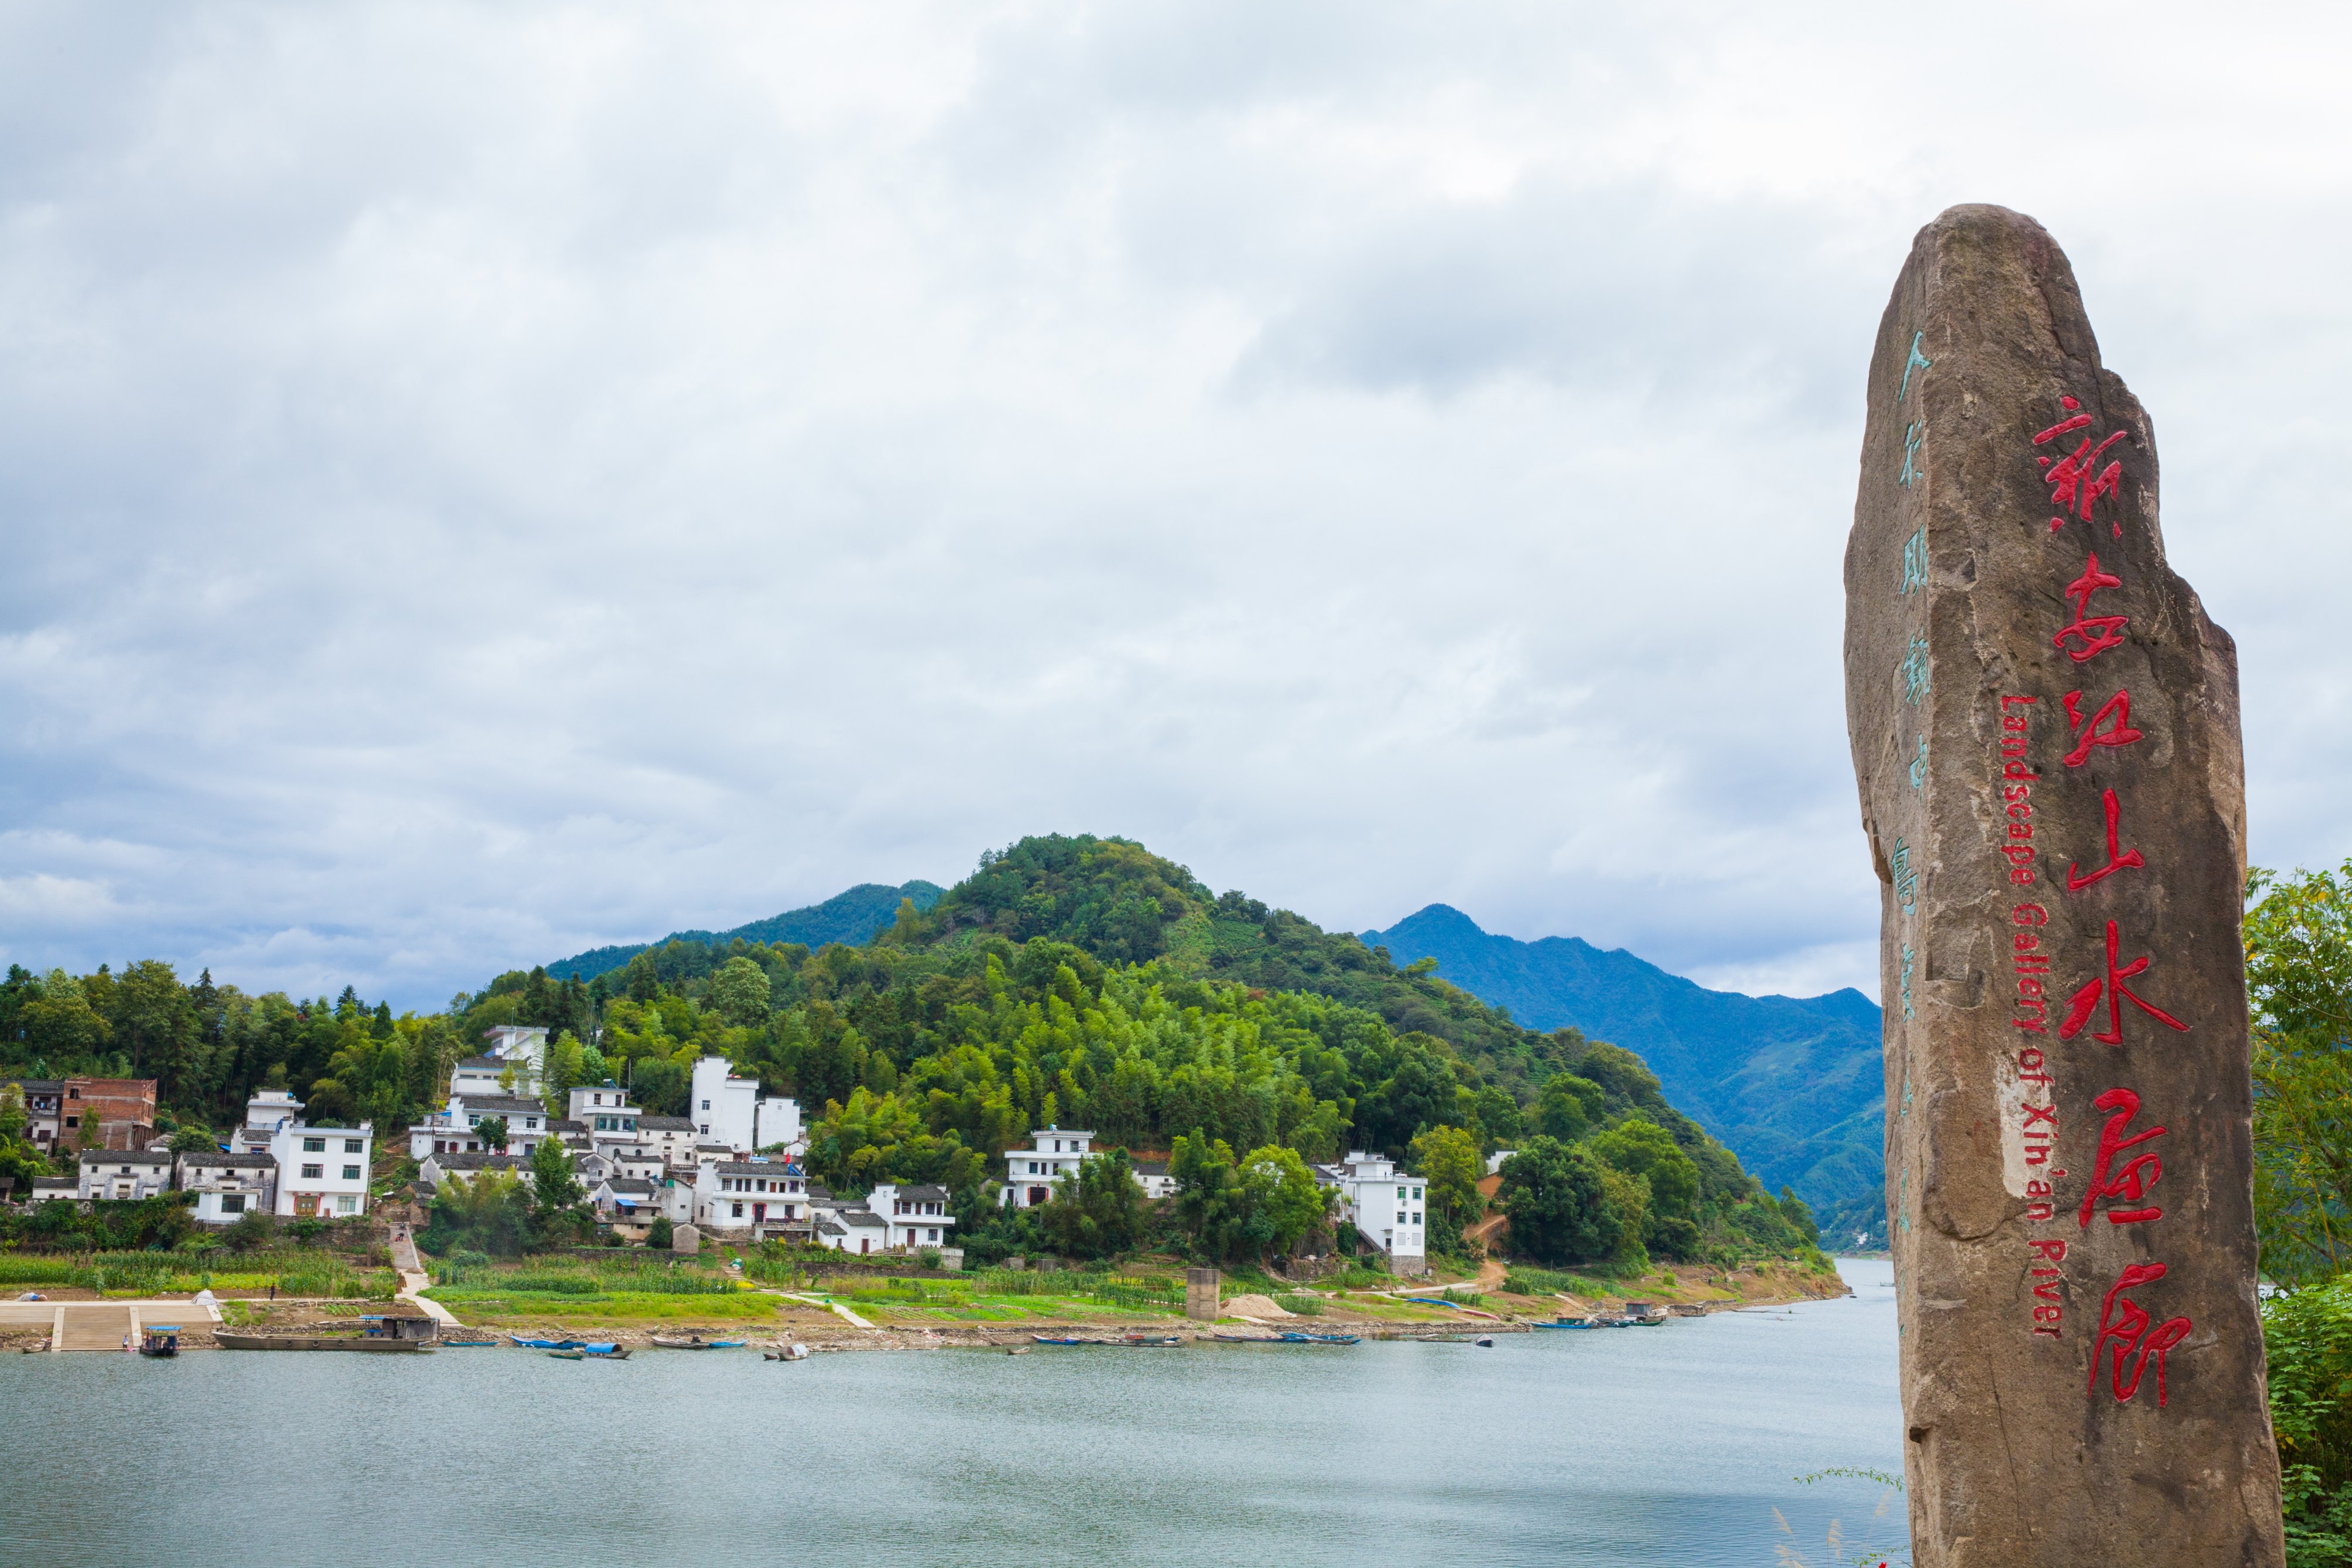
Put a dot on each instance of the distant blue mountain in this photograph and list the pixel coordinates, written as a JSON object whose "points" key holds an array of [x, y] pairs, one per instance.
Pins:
{"points": [[1791, 1084], [852, 917]]}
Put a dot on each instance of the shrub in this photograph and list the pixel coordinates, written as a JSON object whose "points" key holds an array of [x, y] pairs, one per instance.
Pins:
{"points": [[1300, 1306]]}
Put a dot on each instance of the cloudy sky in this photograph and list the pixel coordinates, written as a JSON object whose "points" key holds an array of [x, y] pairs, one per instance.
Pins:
{"points": [[481, 482]]}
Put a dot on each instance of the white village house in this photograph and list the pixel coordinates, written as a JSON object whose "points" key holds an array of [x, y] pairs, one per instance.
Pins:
{"points": [[228, 1186], [1031, 1174], [265, 1112], [124, 1175], [1383, 1206], [912, 1216], [457, 1129], [755, 1199], [323, 1172], [731, 1111]]}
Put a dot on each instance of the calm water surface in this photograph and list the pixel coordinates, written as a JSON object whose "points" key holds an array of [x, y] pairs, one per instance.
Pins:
{"points": [[1668, 1446]]}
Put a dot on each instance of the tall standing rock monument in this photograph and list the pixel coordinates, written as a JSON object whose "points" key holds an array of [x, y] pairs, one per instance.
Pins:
{"points": [[2046, 735]]}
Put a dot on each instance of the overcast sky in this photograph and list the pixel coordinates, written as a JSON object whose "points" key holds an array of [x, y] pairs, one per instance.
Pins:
{"points": [[483, 482]]}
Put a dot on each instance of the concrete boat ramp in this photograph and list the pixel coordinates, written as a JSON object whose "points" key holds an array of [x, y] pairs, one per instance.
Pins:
{"points": [[97, 1326]]}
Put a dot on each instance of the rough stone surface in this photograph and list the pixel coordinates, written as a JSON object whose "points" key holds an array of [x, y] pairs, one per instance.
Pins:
{"points": [[2065, 1404], [1202, 1288], [685, 1238]]}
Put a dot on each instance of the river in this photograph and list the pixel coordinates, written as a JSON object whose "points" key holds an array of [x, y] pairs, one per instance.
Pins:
{"points": [[1671, 1446]]}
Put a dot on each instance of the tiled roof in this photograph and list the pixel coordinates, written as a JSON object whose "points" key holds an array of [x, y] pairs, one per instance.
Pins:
{"points": [[630, 1184], [212, 1159], [663, 1124], [924, 1194], [755, 1167], [127, 1156], [502, 1106]]}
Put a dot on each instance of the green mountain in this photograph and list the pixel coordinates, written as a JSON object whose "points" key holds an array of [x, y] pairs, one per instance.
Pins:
{"points": [[1793, 1086], [852, 917]]}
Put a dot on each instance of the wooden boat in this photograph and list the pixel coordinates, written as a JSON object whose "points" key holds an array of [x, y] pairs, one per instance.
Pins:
{"points": [[1140, 1339], [1049, 1339], [547, 1343], [568, 1354], [160, 1340], [228, 1339], [1567, 1323], [1486, 1341], [1336, 1338], [695, 1341], [464, 1344]]}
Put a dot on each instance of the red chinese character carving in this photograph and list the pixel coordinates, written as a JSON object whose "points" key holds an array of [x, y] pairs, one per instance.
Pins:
{"points": [[2078, 1011], [2128, 1332], [2097, 633], [2114, 713], [2116, 861], [2140, 1173], [2070, 478]]}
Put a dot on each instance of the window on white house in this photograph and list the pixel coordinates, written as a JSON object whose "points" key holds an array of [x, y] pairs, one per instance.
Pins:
{"points": [[739, 1211], [314, 1146], [351, 1145], [705, 1106], [347, 1205], [233, 1202], [312, 1173], [350, 1173]]}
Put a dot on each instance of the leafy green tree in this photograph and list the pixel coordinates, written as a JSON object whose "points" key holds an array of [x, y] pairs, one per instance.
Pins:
{"points": [[1800, 1218], [1282, 1201], [194, 1141], [492, 1131], [2299, 986], [660, 1234], [1640, 1147], [20, 1158], [1560, 1206], [489, 1213], [1207, 1189], [1569, 1106], [1451, 1163], [740, 993], [1498, 1116], [2307, 1333], [1097, 1210], [558, 1200]]}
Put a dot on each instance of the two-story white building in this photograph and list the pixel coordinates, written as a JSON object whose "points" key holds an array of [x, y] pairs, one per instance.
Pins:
{"points": [[1029, 1174], [603, 1110], [323, 1172], [124, 1176], [265, 1112], [1383, 1205], [228, 1186], [672, 1137], [457, 1129], [731, 1111], [912, 1216], [760, 1199]]}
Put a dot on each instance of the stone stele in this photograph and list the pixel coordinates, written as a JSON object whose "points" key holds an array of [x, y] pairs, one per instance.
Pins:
{"points": [[2046, 735]]}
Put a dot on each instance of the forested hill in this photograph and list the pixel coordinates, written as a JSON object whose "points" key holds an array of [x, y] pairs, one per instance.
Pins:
{"points": [[853, 917], [1792, 1084]]}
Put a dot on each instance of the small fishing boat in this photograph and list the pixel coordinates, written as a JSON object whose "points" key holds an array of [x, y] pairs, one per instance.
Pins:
{"points": [[568, 1354], [695, 1341], [462, 1344], [160, 1340], [1336, 1338], [1148, 1339], [547, 1343], [1486, 1341], [1050, 1339], [786, 1353], [1567, 1323], [1240, 1338]]}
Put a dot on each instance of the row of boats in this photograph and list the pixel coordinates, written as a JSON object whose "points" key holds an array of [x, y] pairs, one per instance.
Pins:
{"points": [[1140, 1339]]}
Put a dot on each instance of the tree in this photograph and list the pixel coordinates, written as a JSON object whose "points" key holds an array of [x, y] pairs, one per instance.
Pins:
{"points": [[1640, 1147], [194, 1141], [1203, 1169], [490, 1213], [660, 1234], [1096, 1211], [2299, 988], [738, 993], [1560, 1207], [1568, 1107], [492, 1131], [557, 1195], [1449, 1161], [566, 1070], [1800, 1216], [1283, 1201]]}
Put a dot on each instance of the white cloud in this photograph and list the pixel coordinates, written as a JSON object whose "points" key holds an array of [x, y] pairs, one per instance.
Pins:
{"points": [[483, 481]]}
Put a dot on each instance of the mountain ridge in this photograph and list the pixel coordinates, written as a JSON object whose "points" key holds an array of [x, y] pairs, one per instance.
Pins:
{"points": [[1791, 1084], [852, 917]]}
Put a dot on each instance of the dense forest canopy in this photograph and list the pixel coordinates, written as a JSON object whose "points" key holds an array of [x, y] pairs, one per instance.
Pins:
{"points": [[1071, 980]]}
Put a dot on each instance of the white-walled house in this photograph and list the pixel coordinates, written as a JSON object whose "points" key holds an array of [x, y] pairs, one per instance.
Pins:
{"points": [[858, 1230], [457, 1129], [1384, 1206], [1153, 1177], [913, 1216], [124, 1176], [762, 1199], [672, 1137], [731, 1110], [265, 1112], [323, 1172], [515, 1063], [1029, 1174], [228, 1186], [603, 1109]]}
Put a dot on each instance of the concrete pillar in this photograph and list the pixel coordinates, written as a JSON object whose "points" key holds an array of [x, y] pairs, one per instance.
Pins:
{"points": [[1200, 1294]]}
